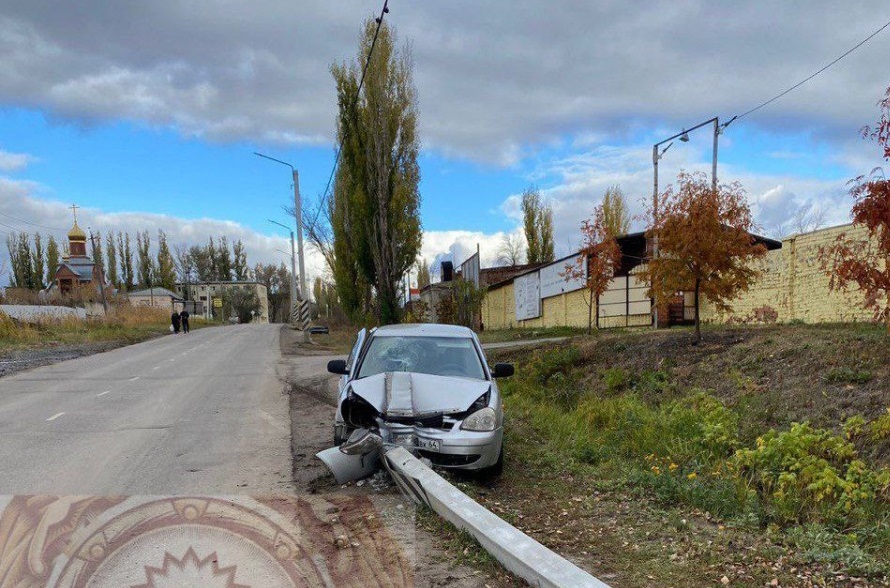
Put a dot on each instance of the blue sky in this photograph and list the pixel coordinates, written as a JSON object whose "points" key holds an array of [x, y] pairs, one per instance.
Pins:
{"points": [[148, 135]]}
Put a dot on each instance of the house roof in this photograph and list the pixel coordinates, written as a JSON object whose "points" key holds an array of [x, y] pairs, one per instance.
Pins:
{"points": [[153, 292], [82, 268]]}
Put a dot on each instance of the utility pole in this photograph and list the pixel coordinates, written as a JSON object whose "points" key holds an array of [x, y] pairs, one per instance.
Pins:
{"points": [[293, 269], [298, 217], [101, 273]]}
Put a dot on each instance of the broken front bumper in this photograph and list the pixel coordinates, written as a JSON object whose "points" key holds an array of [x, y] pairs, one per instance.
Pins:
{"points": [[456, 449]]}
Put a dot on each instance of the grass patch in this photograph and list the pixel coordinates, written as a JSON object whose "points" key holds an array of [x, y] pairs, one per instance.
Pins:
{"points": [[123, 323], [635, 412]]}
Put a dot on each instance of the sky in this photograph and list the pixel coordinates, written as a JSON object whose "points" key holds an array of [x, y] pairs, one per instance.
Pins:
{"points": [[147, 114]]}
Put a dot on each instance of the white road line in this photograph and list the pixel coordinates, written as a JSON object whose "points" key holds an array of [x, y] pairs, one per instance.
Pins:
{"points": [[103, 393], [55, 416], [157, 367], [134, 378]]}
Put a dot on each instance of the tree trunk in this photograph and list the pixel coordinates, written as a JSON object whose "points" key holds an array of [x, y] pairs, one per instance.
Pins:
{"points": [[697, 323], [589, 312]]}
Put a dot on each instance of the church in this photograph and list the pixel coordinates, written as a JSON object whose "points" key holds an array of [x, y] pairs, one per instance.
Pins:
{"points": [[76, 268]]}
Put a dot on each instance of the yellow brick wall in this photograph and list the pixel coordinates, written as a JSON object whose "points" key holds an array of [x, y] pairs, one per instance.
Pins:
{"points": [[793, 283], [570, 309]]}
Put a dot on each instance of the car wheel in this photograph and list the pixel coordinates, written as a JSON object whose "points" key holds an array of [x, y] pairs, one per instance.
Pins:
{"points": [[493, 472]]}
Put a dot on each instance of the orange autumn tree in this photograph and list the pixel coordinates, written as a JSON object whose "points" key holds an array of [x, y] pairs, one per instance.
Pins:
{"points": [[866, 262], [599, 259], [704, 243]]}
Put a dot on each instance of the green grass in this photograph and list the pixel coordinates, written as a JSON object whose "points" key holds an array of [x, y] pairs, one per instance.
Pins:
{"points": [[631, 411]]}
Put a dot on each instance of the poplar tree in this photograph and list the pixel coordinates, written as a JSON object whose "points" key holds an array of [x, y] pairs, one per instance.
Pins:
{"points": [[143, 257], [376, 206], [52, 259], [111, 259], [239, 261], [38, 263], [616, 217], [166, 266], [537, 222]]}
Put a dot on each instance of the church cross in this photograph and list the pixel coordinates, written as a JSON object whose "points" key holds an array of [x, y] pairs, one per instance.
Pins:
{"points": [[74, 208]]}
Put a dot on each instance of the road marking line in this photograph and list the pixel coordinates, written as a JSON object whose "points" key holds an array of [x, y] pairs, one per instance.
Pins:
{"points": [[103, 393], [134, 378], [55, 416], [157, 367]]}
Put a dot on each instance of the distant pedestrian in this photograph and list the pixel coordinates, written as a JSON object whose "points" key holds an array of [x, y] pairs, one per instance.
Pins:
{"points": [[184, 317], [174, 320]]}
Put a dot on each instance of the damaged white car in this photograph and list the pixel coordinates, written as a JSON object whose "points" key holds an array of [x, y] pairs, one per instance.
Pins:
{"points": [[425, 387]]}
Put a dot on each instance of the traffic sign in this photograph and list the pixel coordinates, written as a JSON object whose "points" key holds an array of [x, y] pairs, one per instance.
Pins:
{"points": [[217, 303]]}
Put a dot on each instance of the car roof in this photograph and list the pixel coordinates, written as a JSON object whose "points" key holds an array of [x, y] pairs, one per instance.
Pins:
{"points": [[423, 330]]}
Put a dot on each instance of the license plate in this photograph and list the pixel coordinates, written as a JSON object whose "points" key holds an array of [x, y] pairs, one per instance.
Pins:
{"points": [[430, 444]]}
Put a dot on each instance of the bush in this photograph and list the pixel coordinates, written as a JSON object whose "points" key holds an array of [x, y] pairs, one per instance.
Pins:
{"points": [[807, 474]]}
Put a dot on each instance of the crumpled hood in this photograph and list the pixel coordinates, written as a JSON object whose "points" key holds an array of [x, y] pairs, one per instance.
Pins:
{"points": [[405, 394]]}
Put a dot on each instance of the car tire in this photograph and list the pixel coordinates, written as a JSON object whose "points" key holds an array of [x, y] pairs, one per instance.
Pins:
{"points": [[493, 472]]}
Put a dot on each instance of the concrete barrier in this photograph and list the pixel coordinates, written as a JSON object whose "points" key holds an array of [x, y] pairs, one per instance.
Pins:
{"points": [[516, 551]]}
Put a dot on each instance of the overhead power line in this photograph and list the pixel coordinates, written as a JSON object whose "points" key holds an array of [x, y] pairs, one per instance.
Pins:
{"points": [[807, 79], [33, 224], [379, 20]]}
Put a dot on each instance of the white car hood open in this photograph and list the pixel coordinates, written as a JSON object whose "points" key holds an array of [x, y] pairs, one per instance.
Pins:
{"points": [[406, 394]]}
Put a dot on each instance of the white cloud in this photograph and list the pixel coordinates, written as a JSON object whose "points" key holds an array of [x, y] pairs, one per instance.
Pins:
{"points": [[10, 162]]}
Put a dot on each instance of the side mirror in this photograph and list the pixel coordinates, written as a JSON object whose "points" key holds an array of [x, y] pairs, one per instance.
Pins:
{"points": [[338, 366], [502, 370], [361, 442]]}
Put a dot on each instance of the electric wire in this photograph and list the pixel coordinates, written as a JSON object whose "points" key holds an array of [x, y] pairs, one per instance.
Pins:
{"points": [[12, 218], [361, 82], [807, 79]]}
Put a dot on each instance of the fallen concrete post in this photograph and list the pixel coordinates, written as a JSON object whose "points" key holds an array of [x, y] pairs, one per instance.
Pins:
{"points": [[516, 551]]}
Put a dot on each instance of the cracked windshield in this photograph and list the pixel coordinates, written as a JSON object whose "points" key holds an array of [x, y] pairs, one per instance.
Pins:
{"points": [[422, 294]]}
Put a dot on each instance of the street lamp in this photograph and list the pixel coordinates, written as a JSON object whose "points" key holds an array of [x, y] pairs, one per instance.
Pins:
{"points": [[298, 214], [657, 154], [293, 269]]}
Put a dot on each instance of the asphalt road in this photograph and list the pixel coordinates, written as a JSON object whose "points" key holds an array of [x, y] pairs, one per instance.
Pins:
{"points": [[182, 414]]}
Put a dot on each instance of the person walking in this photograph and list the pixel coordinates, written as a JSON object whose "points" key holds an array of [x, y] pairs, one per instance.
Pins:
{"points": [[184, 317], [174, 320]]}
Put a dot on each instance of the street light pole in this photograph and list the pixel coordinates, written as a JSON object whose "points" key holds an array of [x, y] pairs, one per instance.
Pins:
{"points": [[298, 215], [657, 154], [293, 269]]}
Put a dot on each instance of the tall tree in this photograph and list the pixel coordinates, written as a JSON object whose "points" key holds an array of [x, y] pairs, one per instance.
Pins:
{"points": [[511, 249], [25, 264], [537, 222], [38, 263], [865, 263], [615, 212], [239, 261], [166, 266], [223, 260], [704, 243], [277, 282], [599, 260], [52, 259], [202, 260], [143, 257], [111, 260], [423, 273], [125, 251], [379, 172]]}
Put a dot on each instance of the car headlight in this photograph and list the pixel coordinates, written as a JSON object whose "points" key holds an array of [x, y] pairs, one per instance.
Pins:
{"points": [[483, 419]]}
